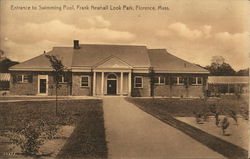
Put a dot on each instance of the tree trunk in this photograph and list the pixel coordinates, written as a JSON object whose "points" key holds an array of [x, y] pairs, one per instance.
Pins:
{"points": [[56, 97]]}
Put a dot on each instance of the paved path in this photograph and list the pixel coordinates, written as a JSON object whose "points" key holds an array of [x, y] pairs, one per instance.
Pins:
{"points": [[132, 133]]}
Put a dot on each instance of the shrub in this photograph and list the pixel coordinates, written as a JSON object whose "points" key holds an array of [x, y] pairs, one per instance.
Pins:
{"points": [[32, 135]]}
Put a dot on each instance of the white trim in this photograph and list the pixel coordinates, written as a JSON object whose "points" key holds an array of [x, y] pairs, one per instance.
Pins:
{"points": [[112, 57], [94, 83], [112, 70], [47, 84], [141, 81], [196, 81], [31, 69], [183, 72], [81, 81], [22, 78], [63, 79], [178, 81], [159, 80], [121, 84], [129, 83], [102, 84]]}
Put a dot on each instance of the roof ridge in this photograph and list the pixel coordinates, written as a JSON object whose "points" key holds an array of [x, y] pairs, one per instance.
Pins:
{"points": [[114, 45]]}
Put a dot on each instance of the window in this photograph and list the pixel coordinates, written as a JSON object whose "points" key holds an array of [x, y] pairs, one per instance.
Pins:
{"points": [[160, 80], [179, 80], [138, 82], [197, 80], [22, 78], [62, 79], [85, 81]]}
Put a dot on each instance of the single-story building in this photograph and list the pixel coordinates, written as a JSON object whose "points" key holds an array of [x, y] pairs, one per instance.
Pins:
{"points": [[228, 85], [125, 70]]}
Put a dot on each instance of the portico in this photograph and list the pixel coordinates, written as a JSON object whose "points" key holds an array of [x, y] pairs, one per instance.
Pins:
{"points": [[116, 82]]}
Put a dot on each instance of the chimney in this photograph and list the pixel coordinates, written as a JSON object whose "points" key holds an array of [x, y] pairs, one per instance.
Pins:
{"points": [[76, 44]]}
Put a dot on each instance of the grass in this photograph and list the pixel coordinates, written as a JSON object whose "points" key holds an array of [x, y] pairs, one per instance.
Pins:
{"points": [[84, 114], [165, 109], [187, 107]]}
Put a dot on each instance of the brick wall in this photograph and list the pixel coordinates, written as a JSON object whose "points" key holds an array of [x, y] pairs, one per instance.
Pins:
{"points": [[141, 92], [178, 91], [80, 91], [29, 88]]}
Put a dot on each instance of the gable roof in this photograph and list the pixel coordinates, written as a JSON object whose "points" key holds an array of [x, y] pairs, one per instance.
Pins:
{"points": [[112, 62], [162, 61]]}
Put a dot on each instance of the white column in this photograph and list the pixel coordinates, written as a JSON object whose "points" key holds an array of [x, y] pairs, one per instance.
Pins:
{"points": [[94, 84], [121, 85], [102, 85], [129, 84]]}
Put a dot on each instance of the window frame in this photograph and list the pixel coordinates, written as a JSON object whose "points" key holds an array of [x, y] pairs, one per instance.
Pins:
{"points": [[178, 81], [159, 80], [141, 77], [81, 82], [196, 81], [63, 79], [22, 78]]}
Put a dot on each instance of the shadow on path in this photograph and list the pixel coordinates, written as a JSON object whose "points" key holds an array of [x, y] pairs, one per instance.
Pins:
{"points": [[88, 138], [225, 148]]}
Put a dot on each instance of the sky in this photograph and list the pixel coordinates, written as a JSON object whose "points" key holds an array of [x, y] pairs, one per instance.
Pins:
{"points": [[194, 30]]}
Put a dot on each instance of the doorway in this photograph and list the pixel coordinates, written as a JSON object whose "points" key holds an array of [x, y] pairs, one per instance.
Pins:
{"points": [[111, 87], [43, 84]]}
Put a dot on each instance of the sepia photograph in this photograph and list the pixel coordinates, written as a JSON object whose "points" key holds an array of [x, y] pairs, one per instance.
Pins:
{"points": [[124, 79]]}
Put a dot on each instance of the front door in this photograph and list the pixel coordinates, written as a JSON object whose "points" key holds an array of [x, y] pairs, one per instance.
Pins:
{"points": [[43, 86], [111, 87]]}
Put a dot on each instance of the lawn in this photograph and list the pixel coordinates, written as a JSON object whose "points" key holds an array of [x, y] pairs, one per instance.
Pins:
{"points": [[85, 115], [187, 107], [170, 110]]}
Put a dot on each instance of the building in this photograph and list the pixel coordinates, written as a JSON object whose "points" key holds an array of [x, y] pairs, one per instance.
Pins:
{"points": [[124, 70], [228, 85], [4, 81]]}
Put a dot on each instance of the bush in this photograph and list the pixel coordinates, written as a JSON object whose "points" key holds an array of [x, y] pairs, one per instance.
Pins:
{"points": [[32, 135]]}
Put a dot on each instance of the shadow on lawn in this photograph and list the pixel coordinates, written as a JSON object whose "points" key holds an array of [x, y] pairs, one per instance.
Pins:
{"points": [[225, 148], [88, 138]]}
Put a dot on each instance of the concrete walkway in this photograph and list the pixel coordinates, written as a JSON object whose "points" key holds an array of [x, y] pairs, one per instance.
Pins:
{"points": [[132, 133]]}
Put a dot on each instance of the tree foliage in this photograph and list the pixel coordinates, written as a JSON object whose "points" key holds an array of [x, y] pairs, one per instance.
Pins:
{"points": [[32, 134], [5, 64], [243, 72], [58, 71], [219, 67]]}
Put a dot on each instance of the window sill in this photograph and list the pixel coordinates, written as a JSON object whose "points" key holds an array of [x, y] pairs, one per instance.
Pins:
{"points": [[84, 87], [160, 84], [196, 84], [22, 82], [138, 87]]}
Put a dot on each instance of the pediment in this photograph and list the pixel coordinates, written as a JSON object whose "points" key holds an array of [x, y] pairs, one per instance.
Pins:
{"points": [[113, 62]]}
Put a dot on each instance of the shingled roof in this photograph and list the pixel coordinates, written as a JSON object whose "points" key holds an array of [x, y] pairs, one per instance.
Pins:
{"points": [[164, 62], [88, 55]]}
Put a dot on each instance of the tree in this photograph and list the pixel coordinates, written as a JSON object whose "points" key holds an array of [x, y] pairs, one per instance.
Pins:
{"points": [[58, 71], [152, 82], [244, 72], [5, 64], [219, 67]]}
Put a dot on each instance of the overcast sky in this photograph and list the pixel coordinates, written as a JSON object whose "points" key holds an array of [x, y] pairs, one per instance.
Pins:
{"points": [[194, 30]]}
